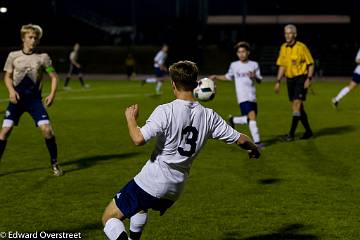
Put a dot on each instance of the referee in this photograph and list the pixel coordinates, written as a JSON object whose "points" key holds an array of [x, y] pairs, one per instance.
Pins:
{"points": [[296, 63]]}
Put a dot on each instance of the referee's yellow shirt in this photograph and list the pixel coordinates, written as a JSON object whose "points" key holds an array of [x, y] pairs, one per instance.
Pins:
{"points": [[295, 59]]}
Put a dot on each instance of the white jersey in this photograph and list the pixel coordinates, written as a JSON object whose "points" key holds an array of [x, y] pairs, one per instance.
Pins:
{"points": [[29, 66], [73, 56], [245, 87], [160, 58], [357, 69], [182, 128]]}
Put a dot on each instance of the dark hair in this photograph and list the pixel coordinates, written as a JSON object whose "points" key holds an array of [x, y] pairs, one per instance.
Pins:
{"points": [[184, 74], [245, 45]]}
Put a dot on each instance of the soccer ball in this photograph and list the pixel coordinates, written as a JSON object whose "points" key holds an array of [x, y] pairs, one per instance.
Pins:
{"points": [[205, 91]]}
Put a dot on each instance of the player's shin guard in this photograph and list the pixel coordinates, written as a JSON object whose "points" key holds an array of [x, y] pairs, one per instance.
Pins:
{"points": [[137, 224], [295, 120], [342, 93], [52, 148], [254, 131], [2, 147], [115, 230], [240, 120]]}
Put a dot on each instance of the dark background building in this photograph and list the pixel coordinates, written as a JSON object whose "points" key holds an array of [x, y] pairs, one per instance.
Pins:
{"points": [[190, 27]]}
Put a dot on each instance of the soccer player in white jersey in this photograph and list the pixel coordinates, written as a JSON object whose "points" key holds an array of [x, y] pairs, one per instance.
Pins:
{"points": [[159, 69], [245, 73], [23, 71], [75, 68], [353, 83], [182, 128]]}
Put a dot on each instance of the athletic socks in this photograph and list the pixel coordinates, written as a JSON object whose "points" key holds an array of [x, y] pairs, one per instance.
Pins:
{"points": [[137, 223], [52, 148], [240, 120], [295, 120], [254, 131], [115, 230], [304, 120], [66, 81], [82, 81], [2, 147], [158, 87], [342, 93]]}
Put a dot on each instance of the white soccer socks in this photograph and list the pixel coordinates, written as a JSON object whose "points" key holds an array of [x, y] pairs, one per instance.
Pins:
{"points": [[137, 224], [240, 120], [114, 229], [342, 93], [254, 131], [158, 86]]}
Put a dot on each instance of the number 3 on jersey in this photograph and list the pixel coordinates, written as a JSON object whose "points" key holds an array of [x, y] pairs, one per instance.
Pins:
{"points": [[190, 139]]}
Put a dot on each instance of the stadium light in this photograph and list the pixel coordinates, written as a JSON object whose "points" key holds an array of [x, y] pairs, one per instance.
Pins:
{"points": [[3, 9]]}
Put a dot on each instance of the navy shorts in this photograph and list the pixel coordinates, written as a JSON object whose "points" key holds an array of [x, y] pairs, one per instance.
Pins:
{"points": [[296, 90], [131, 199], [246, 107], [31, 104], [159, 73], [356, 78]]}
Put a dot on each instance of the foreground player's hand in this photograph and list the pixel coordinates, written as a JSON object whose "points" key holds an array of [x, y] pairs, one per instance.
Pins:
{"points": [[14, 97], [277, 88], [307, 83], [132, 112], [49, 100]]}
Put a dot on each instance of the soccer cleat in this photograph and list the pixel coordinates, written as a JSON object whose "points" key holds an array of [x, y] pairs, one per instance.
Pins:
{"points": [[307, 135], [57, 171], [86, 86], [231, 121], [260, 146], [334, 103], [287, 138]]}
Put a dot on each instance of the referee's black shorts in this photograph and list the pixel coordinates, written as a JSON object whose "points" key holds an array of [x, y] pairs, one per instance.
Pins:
{"points": [[295, 86]]}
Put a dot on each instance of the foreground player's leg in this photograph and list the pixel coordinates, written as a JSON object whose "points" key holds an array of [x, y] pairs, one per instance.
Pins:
{"points": [[114, 228], [52, 148], [137, 224]]}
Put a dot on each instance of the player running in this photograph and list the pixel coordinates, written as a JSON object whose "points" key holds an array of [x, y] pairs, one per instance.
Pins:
{"points": [[245, 73], [353, 83], [23, 71], [182, 128]]}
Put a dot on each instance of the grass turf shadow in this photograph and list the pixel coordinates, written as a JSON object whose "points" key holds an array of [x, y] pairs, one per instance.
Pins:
{"points": [[268, 181], [334, 130], [87, 162], [287, 232]]}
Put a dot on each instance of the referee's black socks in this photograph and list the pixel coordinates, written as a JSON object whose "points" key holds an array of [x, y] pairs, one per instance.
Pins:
{"points": [[304, 120], [295, 120]]}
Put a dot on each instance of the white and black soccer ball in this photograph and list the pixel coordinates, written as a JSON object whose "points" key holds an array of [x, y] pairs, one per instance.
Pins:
{"points": [[205, 91]]}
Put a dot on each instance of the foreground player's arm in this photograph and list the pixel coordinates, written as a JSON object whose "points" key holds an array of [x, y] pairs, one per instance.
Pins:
{"points": [[13, 95], [131, 114], [280, 74], [245, 143], [54, 83]]}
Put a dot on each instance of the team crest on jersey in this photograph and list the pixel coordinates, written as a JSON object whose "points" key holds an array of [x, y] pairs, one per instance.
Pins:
{"points": [[7, 113]]}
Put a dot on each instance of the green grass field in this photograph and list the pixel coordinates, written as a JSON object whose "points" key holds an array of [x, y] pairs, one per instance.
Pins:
{"points": [[298, 190]]}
